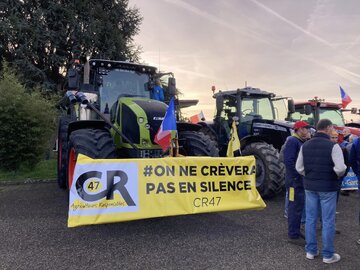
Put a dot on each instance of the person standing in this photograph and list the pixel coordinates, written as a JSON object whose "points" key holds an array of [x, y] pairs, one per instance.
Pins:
{"points": [[157, 92], [355, 165], [322, 163], [334, 137], [294, 182]]}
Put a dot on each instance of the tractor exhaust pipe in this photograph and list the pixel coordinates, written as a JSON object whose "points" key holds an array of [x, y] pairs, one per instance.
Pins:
{"points": [[68, 99]]}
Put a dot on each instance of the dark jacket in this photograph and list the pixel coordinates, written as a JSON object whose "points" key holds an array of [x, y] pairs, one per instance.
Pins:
{"points": [[318, 164], [346, 154], [291, 152], [354, 158]]}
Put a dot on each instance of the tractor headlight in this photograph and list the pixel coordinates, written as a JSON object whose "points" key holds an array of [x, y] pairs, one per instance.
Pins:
{"points": [[141, 120]]}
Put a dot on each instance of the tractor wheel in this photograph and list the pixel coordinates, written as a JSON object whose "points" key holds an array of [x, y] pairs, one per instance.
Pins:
{"points": [[94, 143], [62, 150], [193, 143], [208, 132], [270, 171]]}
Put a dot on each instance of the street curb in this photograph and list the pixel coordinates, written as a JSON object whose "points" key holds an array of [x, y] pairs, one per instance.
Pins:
{"points": [[26, 181]]}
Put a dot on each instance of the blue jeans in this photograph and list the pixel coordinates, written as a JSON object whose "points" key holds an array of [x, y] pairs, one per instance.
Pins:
{"points": [[328, 210]]}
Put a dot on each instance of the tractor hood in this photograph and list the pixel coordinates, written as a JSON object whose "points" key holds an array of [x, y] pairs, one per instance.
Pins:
{"points": [[274, 132], [139, 119], [284, 123], [273, 125]]}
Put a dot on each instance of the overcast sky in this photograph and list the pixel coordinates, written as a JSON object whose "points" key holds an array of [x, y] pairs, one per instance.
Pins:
{"points": [[292, 48]]}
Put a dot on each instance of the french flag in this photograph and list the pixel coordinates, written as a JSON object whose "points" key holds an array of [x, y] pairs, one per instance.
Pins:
{"points": [[167, 128], [345, 99], [197, 118]]}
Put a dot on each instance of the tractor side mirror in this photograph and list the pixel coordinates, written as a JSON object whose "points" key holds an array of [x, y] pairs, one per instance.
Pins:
{"points": [[172, 86], [354, 110], [73, 79], [307, 109], [291, 106]]}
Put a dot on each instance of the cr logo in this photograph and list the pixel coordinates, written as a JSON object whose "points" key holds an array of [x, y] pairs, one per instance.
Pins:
{"points": [[110, 186]]}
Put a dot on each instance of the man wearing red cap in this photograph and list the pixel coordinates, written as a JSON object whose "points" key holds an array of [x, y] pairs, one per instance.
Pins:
{"points": [[294, 181]]}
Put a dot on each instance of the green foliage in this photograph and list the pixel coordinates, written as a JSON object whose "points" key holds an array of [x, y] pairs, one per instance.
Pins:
{"points": [[26, 123], [41, 38], [44, 170]]}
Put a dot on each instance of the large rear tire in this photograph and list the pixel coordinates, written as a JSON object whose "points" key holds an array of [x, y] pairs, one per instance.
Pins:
{"points": [[62, 153], [194, 143], [209, 133], [94, 143], [270, 171]]}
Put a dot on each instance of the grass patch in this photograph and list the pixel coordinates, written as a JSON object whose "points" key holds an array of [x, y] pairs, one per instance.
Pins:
{"points": [[44, 170]]}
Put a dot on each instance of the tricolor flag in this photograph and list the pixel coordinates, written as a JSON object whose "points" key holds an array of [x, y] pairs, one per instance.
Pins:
{"points": [[234, 143], [167, 130], [197, 118], [345, 99]]}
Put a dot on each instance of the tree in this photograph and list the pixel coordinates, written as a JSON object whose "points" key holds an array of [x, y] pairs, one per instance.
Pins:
{"points": [[40, 38], [27, 121]]}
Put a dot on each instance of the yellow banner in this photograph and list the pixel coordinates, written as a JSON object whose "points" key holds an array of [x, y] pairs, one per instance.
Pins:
{"points": [[115, 190]]}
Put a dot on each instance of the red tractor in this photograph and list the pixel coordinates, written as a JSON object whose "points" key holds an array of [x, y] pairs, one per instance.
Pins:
{"points": [[315, 109]]}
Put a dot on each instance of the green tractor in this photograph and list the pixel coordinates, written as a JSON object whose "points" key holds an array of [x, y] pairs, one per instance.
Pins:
{"points": [[261, 134], [108, 113]]}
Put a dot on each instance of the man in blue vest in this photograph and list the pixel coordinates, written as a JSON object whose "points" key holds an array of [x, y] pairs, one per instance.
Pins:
{"points": [[294, 181], [322, 163]]}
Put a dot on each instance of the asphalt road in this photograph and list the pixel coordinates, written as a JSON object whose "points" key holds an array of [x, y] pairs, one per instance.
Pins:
{"points": [[34, 235]]}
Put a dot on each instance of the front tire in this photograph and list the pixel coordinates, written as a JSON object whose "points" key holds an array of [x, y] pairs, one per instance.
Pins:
{"points": [[62, 153], [270, 171], [197, 144], [94, 143]]}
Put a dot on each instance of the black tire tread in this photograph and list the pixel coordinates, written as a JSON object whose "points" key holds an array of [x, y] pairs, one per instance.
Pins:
{"points": [[209, 133], [274, 168], [94, 143], [64, 122], [194, 143]]}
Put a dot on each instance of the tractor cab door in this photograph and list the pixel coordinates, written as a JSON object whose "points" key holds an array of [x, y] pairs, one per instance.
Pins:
{"points": [[283, 106], [226, 109], [252, 108]]}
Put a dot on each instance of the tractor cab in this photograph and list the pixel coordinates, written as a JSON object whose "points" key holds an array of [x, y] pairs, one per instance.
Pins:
{"points": [[105, 81], [247, 104], [260, 131]]}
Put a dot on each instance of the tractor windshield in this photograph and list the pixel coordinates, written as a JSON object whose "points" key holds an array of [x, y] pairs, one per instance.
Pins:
{"points": [[300, 115], [256, 108], [334, 116], [121, 82]]}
